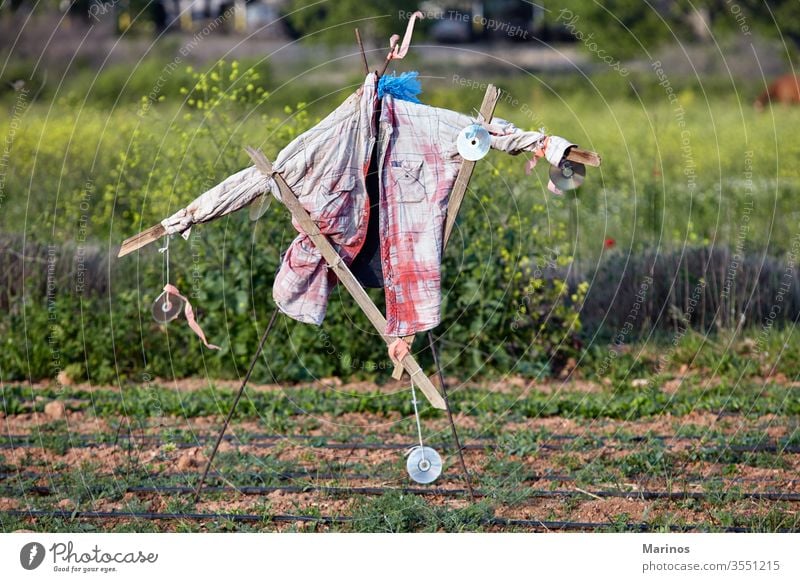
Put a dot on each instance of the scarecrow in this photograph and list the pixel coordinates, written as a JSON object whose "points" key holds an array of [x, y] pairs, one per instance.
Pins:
{"points": [[374, 190]]}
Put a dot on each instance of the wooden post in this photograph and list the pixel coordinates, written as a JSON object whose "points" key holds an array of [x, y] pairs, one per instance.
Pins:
{"points": [[490, 99], [344, 274]]}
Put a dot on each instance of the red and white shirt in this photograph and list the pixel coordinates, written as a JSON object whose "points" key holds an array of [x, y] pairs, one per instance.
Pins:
{"points": [[327, 166]]}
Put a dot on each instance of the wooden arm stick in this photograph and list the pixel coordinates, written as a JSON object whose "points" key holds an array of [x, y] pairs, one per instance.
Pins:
{"points": [[576, 154], [144, 238], [344, 274], [490, 99]]}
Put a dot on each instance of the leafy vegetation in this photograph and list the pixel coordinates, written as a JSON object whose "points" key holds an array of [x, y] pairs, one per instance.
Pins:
{"points": [[113, 183]]}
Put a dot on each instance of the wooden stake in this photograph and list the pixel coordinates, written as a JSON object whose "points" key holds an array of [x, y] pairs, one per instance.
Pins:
{"points": [[363, 54], [388, 59], [335, 262], [490, 99]]}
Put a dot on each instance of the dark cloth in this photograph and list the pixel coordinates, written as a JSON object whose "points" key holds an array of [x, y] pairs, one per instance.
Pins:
{"points": [[366, 266]]}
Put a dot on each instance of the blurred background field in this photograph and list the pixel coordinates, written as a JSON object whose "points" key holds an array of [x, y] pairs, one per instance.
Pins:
{"points": [[130, 110], [620, 358]]}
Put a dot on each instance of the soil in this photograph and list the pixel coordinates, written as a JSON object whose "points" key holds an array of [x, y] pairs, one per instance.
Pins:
{"points": [[554, 456]]}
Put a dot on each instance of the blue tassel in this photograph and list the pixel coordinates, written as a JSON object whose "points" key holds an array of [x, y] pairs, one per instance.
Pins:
{"points": [[405, 87]]}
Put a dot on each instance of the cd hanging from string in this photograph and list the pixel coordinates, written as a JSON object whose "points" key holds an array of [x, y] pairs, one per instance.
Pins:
{"points": [[424, 465], [166, 307], [473, 142], [568, 175]]}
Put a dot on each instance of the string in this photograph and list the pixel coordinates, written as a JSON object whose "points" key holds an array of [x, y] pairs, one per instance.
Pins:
{"points": [[416, 415], [165, 271], [165, 251]]}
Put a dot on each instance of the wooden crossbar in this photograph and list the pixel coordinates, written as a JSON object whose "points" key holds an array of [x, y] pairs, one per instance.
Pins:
{"points": [[344, 274]]}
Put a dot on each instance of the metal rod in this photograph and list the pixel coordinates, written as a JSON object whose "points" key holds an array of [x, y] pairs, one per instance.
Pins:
{"points": [[336, 519], [480, 443], [235, 402], [345, 476], [363, 54], [450, 418]]}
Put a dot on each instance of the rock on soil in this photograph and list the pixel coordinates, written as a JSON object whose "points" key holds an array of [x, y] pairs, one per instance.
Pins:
{"points": [[8, 503], [54, 410], [64, 379], [66, 504], [189, 460]]}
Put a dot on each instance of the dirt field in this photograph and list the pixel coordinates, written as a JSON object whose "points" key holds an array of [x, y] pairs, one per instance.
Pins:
{"points": [[331, 457]]}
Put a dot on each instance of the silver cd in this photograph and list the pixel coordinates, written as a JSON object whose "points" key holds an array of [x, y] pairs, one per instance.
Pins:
{"points": [[568, 175], [424, 465], [259, 206], [473, 142], [166, 307]]}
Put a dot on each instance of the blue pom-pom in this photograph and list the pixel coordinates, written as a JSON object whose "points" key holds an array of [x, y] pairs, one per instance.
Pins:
{"points": [[405, 87]]}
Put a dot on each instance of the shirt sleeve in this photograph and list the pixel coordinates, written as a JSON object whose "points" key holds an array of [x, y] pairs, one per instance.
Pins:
{"points": [[509, 138], [230, 195]]}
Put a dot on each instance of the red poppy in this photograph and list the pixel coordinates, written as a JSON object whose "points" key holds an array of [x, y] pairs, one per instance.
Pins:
{"points": [[609, 243]]}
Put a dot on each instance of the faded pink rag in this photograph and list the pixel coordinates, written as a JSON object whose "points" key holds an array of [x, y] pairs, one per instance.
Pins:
{"points": [[398, 52], [539, 153], [189, 313], [398, 350]]}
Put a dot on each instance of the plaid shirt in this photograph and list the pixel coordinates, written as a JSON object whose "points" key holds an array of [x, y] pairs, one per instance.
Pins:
{"points": [[327, 166]]}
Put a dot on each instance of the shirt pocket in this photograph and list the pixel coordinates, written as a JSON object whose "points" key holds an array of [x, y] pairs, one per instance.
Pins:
{"points": [[324, 194], [333, 202], [408, 177]]}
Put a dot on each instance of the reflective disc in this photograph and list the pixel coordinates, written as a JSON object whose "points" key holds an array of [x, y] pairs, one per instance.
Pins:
{"points": [[424, 465], [473, 142], [568, 175], [259, 206], [166, 307]]}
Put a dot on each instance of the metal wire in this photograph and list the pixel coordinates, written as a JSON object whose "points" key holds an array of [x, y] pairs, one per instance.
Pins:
{"points": [[442, 492], [344, 476], [416, 416], [456, 441]]}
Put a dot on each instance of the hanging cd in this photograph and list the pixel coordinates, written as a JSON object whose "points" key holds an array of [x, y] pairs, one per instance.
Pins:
{"points": [[568, 175], [424, 465], [473, 142], [166, 307], [259, 206]]}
